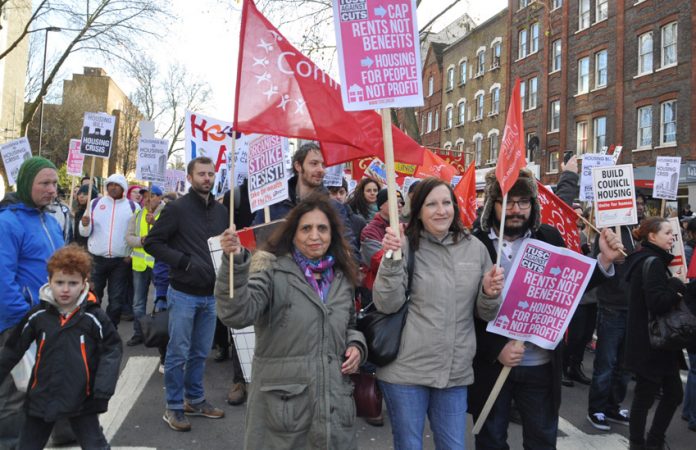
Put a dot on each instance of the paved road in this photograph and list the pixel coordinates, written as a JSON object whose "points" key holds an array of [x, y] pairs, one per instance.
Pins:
{"points": [[134, 419]]}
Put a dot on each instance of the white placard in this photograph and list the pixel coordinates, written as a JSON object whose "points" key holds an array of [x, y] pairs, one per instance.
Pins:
{"points": [[206, 136], [175, 181], [678, 264], [589, 161], [14, 153], [666, 177], [267, 180], [152, 160], [97, 134], [614, 196], [333, 177]]}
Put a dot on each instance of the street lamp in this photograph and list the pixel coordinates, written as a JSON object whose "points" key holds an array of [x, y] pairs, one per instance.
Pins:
{"points": [[43, 80]]}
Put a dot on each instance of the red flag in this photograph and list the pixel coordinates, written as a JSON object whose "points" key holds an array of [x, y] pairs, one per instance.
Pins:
{"points": [[282, 92], [691, 273], [434, 166], [558, 214], [512, 154], [466, 196]]}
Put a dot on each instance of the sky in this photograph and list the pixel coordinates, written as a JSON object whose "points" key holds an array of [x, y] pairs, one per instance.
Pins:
{"points": [[205, 38]]}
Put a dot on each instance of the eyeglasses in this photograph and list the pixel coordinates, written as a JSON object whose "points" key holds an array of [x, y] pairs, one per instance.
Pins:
{"points": [[523, 203]]}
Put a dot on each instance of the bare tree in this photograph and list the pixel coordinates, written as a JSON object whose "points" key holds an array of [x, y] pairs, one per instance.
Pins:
{"points": [[129, 138], [109, 30]]}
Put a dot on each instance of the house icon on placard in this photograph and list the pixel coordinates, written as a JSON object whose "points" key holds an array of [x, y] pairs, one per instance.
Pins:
{"points": [[356, 94], [502, 322]]}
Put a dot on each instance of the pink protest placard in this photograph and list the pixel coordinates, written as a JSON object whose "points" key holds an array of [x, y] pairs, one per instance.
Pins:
{"points": [[75, 158], [379, 53], [541, 293]]}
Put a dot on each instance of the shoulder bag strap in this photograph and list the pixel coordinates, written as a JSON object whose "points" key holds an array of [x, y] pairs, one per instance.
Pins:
{"points": [[409, 264]]}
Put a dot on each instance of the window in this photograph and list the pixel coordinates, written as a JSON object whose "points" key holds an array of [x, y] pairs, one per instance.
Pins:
{"points": [[524, 3], [493, 146], [583, 75], [450, 78], [448, 118], [644, 127], [553, 162], [462, 72], [480, 62], [431, 86], [430, 122], [532, 93], [557, 4], [601, 10], [422, 130], [645, 53], [669, 44], [478, 148], [583, 14], [581, 139], [668, 122], [556, 55], [601, 69], [479, 107], [599, 133], [555, 115], [522, 44], [436, 125], [530, 151], [495, 101], [534, 30], [523, 95], [496, 56], [461, 113]]}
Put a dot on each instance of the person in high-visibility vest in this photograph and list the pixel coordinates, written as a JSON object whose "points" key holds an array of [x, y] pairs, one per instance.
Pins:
{"points": [[142, 262]]}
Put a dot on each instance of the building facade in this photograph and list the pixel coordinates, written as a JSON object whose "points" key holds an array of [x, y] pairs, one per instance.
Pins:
{"points": [[429, 115], [14, 14]]}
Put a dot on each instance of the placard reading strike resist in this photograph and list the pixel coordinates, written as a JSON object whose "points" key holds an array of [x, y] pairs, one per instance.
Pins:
{"points": [[614, 195], [267, 181], [379, 53]]}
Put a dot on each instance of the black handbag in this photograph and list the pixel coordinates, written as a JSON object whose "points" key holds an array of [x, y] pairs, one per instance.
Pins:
{"points": [[383, 331], [155, 327], [674, 329]]}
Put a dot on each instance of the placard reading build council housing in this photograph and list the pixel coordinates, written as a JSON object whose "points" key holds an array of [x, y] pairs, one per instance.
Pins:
{"points": [[614, 195]]}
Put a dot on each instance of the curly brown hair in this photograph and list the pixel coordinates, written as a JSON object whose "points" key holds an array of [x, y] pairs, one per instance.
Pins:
{"points": [[70, 259]]}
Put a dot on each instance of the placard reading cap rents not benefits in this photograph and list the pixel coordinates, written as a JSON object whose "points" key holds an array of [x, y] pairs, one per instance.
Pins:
{"points": [[614, 195], [97, 134], [379, 53]]}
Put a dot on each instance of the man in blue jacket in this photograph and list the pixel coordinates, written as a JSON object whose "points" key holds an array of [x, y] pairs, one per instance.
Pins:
{"points": [[29, 238]]}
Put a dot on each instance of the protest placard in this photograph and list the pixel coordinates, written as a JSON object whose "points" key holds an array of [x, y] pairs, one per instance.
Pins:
{"points": [[541, 293], [267, 181], [678, 265], [333, 176], [377, 170], [666, 177], [614, 196], [97, 134], [75, 158], [152, 160], [206, 136], [14, 153], [175, 181], [589, 161], [379, 53]]}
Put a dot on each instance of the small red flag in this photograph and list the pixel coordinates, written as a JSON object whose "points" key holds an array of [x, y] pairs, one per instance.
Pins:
{"points": [[466, 196], [512, 149], [282, 92], [434, 166], [558, 214]]}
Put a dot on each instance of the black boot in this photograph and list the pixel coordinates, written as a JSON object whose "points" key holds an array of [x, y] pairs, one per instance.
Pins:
{"points": [[565, 380], [575, 373]]}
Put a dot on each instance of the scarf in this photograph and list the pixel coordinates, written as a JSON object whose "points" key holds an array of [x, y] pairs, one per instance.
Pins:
{"points": [[309, 267]]}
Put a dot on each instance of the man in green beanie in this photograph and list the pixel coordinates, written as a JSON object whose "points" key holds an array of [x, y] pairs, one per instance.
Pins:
{"points": [[29, 238]]}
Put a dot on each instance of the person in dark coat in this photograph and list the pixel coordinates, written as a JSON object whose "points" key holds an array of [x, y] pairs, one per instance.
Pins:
{"points": [[653, 291]]}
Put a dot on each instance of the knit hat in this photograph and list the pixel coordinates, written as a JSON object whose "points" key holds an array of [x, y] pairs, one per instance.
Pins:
{"points": [[525, 186], [118, 179], [130, 190], [382, 197], [25, 178]]}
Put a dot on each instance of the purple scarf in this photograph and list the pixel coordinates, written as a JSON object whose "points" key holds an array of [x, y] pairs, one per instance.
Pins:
{"points": [[309, 267]]}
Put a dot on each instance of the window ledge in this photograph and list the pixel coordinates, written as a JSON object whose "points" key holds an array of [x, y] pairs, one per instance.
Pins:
{"points": [[581, 30], [449, 89], [638, 2], [642, 149], [580, 94], [600, 21], [521, 58], [640, 75], [667, 67], [530, 109], [599, 88], [667, 145], [491, 114], [552, 132], [554, 72], [553, 172], [461, 83]]}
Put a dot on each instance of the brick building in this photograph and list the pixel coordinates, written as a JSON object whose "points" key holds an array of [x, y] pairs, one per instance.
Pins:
{"points": [[429, 115]]}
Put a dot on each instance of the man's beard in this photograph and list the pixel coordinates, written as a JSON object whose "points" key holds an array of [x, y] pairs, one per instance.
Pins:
{"points": [[514, 230], [200, 189]]}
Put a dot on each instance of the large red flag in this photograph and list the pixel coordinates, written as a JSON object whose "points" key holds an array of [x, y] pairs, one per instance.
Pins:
{"points": [[512, 154], [282, 92], [558, 214], [434, 166], [466, 196]]}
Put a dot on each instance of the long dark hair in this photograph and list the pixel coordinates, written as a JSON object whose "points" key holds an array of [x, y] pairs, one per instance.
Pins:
{"points": [[357, 197], [647, 226], [415, 225], [280, 243]]}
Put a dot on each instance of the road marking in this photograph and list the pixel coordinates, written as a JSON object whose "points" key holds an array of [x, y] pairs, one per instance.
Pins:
{"points": [[577, 440]]}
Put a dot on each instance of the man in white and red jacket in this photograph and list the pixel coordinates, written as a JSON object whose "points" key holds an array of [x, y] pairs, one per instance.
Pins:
{"points": [[105, 224]]}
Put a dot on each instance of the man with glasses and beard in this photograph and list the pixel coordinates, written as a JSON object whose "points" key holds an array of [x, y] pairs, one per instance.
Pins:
{"points": [[535, 379]]}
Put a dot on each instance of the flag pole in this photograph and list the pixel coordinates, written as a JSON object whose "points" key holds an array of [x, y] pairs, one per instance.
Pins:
{"points": [[391, 174], [72, 189], [233, 182], [91, 180]]}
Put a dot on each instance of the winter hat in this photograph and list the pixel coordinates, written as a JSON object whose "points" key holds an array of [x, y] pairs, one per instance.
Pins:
{"points": [[525, 186], [25, 178], [382, 197], [156, 190], [118, 179], [131, 189]]}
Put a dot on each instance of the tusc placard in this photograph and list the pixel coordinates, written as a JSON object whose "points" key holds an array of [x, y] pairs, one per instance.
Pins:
{"points": [[379, 54]]}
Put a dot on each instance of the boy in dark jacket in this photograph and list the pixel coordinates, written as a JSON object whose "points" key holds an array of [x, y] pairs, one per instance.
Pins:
{"points": [[77, 359]]}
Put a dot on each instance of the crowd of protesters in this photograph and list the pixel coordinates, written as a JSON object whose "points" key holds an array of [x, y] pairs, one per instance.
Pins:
{"points": [[301, 290]]}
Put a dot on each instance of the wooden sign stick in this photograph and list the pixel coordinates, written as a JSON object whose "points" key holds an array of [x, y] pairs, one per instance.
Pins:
{"points": [[391, 175]]}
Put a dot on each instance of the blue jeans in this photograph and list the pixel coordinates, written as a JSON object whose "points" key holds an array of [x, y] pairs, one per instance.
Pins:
{"points": [[116, 272], [532, 389], [191, 329], [141, 286], [407, 406], [609, 379], [689, 411]]}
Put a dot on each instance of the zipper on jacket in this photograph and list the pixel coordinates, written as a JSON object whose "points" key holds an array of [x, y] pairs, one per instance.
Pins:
{"points": [[111, 228], [83, 349], [38, 360], [43, 225]]}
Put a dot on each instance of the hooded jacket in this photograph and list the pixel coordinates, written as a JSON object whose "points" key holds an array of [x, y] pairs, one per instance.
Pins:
{"points": [[77, 360], [29, 237]]}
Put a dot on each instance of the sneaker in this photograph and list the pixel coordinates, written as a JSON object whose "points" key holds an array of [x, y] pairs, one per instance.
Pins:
{"points": [[599, 421], [621, 416], [237, 394], [204, 409], [160, 369], [176, 420], [135, 340]]}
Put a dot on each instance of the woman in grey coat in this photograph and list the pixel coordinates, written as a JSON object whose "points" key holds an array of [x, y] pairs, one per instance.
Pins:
{"points": [[299, 296]]}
